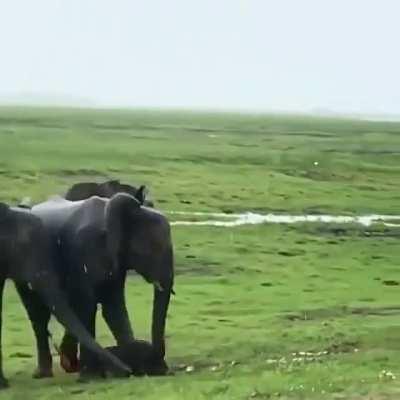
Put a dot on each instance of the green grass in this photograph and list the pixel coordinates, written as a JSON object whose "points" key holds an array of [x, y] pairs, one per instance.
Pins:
{"points": [[250, 298], [249, 162]]}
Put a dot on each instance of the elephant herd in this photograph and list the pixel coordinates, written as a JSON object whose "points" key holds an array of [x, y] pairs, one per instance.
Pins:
{"points": [[71, 253]]}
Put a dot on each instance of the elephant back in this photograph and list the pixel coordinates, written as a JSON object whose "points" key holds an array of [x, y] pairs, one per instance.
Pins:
{"points": [[81, 191]]}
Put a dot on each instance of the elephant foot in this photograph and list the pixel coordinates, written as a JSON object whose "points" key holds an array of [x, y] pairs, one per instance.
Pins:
{"points": [[41, 373], [3, 383], [69, 364]]}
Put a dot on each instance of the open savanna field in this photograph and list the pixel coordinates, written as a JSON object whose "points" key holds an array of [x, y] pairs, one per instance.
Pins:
{"points": [[262, 311]]}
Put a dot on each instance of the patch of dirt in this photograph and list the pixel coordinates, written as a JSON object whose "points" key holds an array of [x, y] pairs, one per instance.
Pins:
{"points": [[197, 269], [391, 283], [381, 311], [378, 152], [343, 347], [317, 134], [77, 172], [227, 210], [77, 391], [351, 231], [315, 210], [324, 313], [338, 268], [20, 354], [244, 250], [333, 242], [243, 144], [266, 284], [291, 253]]}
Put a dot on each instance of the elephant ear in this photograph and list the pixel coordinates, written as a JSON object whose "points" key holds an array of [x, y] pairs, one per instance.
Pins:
{"points": [[141, 194], [118, 214]]}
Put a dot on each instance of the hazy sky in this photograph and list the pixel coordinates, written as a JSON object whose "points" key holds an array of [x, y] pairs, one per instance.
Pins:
{"points": [[246, 54]]}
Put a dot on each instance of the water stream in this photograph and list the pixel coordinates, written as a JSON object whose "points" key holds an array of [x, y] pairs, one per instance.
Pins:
{"points": [[249, 218]]}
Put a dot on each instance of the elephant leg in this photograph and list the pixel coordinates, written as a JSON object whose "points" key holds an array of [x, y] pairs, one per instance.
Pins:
{"points": [[39, 315], [3, 380], [69, 353], [116, 316]]}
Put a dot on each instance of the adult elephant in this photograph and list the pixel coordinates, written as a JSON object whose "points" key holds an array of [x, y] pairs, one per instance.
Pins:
{"points": [[85, 190], [25, 257], [99, 239]]}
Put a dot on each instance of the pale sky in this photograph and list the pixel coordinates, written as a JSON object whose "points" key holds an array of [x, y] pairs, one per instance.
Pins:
{"points": [[241, 54]]}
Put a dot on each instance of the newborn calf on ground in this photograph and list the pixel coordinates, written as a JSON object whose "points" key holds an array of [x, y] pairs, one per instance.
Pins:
{"points": [[141, 358], [139, 355]]}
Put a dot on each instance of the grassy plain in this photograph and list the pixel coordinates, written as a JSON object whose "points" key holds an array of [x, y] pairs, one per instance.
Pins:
{"points": [[290, 312]]}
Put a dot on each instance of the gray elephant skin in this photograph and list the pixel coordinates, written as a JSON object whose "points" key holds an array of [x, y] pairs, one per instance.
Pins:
{"points": [[85, 190], [25, 257], [98, 240]]}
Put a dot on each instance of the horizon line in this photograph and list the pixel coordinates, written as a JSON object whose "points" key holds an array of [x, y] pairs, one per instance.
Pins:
{"points": [[317, 112]]}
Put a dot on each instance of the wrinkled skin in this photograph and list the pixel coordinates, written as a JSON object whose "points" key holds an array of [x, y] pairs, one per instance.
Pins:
{"points": [[141, 358], [99, 240], [85, 190], [25, 257]]}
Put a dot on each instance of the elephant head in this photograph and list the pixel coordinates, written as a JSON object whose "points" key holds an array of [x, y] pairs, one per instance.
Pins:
{"points": [[139, 194], [109, 188], [84, 190], [139, 238]]}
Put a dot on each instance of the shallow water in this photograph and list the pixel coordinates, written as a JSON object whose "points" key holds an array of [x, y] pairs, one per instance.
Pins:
{"points": [[249, 218]]}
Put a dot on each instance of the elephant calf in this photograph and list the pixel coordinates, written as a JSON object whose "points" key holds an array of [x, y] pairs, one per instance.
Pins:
{"points": [[139, 355], [141, 358]]}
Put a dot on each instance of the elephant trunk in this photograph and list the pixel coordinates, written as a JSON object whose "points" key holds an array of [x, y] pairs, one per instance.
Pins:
{"points": [[160, 309], [161, 298], [60, 308]]}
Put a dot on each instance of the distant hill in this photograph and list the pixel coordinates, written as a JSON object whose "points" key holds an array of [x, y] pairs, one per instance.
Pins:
{"points": [[325, 112], [45, 99]]}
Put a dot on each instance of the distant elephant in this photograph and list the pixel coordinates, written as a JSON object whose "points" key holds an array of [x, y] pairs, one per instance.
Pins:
{"points": [[84, 190], [99, 240], [26, 259], [139, 355]]}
